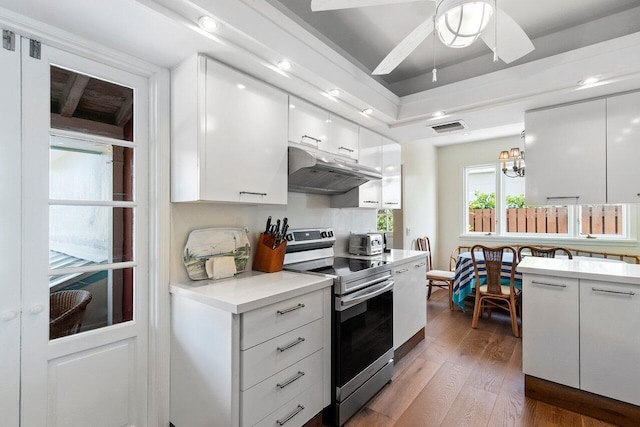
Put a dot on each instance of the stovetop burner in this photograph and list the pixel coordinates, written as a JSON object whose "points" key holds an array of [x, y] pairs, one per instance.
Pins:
{"points": [[343, 266]]}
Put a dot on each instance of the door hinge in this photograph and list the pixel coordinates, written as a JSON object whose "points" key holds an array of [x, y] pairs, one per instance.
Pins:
{"points": [[8, 40], [34, 49]]}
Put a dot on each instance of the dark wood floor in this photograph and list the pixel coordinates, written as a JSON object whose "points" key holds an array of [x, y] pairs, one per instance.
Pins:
{"points": [[460, 376]]}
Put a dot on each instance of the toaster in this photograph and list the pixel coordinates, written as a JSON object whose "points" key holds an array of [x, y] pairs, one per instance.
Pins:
{"points": [[365, 244]]}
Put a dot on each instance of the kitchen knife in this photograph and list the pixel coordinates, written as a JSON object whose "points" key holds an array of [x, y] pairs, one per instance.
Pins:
{"points": [[268, 229], [277, 226]]}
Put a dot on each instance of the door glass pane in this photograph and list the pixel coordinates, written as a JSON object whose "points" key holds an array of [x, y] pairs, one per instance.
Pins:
{"points": [[84, 301], [84, 170], [89, 235], [86, 104]]}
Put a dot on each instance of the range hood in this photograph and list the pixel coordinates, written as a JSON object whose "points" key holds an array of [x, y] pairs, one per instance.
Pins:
{"points": [[320, 172]]}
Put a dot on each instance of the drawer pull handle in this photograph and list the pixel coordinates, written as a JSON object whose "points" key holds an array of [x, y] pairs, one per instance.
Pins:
{"points": [[562, 197], [613, 292], [346, 149], [295, 412], [549, 284], [290, 309], [316, 140], [293, 344], [404, 270], [422, 264], [296, 377], [391, 203], [253, 193]]}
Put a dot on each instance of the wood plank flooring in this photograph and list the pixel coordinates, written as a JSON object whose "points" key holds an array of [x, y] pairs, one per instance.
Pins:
{"points": [[459, 376]]}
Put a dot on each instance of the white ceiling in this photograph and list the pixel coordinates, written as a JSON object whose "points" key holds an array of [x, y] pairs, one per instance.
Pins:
{"points": [[603, 39]]}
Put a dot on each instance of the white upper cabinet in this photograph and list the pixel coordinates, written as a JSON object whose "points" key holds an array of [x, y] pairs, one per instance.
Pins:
{"points": [[391, 174], [623, 148], [368, 195], [229, 136], [565, 154], [317, 128], [343, 137], [308, 124]]}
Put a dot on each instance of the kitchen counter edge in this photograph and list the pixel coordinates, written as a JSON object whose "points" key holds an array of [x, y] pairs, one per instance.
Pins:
{"points": [[396, 256], [619, 272], [251, 290]]}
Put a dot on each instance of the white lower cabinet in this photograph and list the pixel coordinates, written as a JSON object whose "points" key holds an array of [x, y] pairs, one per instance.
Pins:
{"points": [[265, 367], [609, 344], [582, 333], [409, 300], [550, 325]]}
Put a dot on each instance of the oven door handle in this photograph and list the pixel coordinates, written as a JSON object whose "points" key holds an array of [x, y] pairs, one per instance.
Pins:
{"points": [[372, 292]]}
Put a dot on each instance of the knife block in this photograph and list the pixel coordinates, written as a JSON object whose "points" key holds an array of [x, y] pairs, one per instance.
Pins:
{"points": [[269, 259]]}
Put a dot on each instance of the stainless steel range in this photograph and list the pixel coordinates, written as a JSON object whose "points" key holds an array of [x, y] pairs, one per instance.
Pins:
{"points": [[362, 323]]}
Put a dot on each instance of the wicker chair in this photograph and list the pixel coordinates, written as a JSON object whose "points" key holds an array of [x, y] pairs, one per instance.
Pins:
{"points": [[542, 252], [438, 278], [493, 293], [66, 312]]}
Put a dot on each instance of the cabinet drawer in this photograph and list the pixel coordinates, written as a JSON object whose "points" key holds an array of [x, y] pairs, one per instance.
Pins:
{"points": [[278, 389], [297, 411], [264, 360], [260, 325]]}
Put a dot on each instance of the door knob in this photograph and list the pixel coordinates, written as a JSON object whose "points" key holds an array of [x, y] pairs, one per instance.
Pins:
{"points": [[9, 315], [36, 309]]}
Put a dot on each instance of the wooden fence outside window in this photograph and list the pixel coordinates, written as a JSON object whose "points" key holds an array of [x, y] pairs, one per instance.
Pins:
{"points": [[549, 220]]}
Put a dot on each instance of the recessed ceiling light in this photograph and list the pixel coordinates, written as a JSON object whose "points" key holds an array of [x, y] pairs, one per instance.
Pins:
{"points": [[438, 114], [207, 23], [334, 92], [589, 81], [284, 65], [241, 86], [466, 134], [367, 111]]}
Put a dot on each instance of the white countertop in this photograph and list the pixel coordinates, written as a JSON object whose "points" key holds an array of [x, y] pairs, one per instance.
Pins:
{"points": [[583, 268], [251, 290]]}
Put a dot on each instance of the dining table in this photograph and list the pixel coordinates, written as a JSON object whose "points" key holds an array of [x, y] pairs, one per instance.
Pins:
{"points": [[463, 285]]}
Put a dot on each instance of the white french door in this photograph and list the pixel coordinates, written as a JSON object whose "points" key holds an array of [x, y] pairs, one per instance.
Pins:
{"points": [[95, 377], [10, 227]]}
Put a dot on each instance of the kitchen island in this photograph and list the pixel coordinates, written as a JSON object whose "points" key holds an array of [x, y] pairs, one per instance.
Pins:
{"points": [[580, 322], [250, 350]]}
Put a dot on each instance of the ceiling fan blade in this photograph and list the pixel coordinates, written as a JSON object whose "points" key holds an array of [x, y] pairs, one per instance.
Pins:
{"points": [[405, 47], [513, 42], [317, 5]]}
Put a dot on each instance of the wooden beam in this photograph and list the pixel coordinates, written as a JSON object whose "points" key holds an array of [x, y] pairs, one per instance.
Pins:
{"points": [[126, 110], [72, 94], [87, 126]]}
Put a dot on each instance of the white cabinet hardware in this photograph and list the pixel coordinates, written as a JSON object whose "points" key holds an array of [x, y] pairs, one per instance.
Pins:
{"points": [[8, 316]]}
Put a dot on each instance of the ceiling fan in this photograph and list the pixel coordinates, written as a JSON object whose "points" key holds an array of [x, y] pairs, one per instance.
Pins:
{"points": [[458, 24]]}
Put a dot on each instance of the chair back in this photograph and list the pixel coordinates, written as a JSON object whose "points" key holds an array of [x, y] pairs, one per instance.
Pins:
{"points": [[453, 258], [423, 244], [66, 311], [542, 252], [493, 265]]}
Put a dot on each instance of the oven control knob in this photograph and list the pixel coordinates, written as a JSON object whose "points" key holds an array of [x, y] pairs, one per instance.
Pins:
{"points": [[330, 233], [324, 234], [289, 237]]}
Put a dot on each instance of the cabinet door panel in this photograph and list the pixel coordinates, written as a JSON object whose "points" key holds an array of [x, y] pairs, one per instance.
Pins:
{"points": [[623, 148], [246, 139], [409, 300], [343, 137], [370, 154], [550, 329], [391, 174], [562, 139], [609, 345], [308, 124]]}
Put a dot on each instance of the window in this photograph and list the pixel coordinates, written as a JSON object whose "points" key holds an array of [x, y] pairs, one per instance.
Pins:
{"points": [[385, 220], [495, 204]]}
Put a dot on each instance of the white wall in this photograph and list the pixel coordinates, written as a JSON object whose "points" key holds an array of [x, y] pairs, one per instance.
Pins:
{"points": [[451, 162], [303, 210], [420, 214]]}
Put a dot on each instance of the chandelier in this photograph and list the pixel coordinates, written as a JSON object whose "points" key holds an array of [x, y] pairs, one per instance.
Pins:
{"points": [[516, 156]]}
